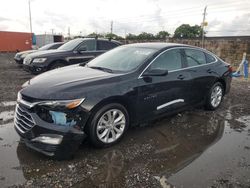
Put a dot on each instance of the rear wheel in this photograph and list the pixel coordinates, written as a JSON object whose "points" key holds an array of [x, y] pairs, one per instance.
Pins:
{"points": [[108, 125], [215, 96]]}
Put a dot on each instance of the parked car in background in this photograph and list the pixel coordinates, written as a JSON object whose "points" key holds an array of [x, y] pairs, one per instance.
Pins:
{"points": [[75, 51], [19, 57], [128, 85]]}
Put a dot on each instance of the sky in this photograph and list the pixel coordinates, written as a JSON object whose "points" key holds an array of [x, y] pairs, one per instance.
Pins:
{"points": [[224, 17]]}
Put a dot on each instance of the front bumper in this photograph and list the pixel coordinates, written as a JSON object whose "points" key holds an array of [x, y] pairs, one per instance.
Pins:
{"points": [[18, 60], [30, 127], [34, 69]]}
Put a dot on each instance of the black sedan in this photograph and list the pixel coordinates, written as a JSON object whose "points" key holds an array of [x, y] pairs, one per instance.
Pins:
{"points": [[123, 87], [19, 57], [76, 51]]}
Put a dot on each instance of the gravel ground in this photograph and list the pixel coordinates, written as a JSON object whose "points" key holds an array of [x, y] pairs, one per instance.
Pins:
{"points": [[195, 148]]}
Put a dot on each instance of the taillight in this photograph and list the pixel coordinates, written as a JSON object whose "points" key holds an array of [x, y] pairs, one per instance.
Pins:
{"points": [[230, 68]]}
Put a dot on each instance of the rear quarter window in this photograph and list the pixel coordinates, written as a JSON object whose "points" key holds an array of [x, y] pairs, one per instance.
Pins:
{"points": [[106, 45], [195, 57], [210, 58]]}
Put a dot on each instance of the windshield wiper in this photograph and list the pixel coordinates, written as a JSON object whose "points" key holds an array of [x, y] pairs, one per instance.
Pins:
{"points": [[101, 68]]}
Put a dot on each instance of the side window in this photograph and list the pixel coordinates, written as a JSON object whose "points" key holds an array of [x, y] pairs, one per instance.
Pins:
{"points": [[88, 45], [170, 60], [195, 57], [105, 45], [55, 46], [210, 58]]}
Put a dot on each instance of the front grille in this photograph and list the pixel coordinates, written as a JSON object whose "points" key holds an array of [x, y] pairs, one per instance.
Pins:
{"points": [[23, 120]]}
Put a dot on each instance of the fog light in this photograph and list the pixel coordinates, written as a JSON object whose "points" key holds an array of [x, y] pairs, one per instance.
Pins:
{"points": [[49, 139]]}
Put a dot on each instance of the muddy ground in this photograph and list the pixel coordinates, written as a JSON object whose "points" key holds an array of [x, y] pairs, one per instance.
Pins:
{"points": [[195, 148]]}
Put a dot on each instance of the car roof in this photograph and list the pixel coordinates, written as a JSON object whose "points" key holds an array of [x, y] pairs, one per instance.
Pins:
{"points": [[100, 39], [158, 45]]}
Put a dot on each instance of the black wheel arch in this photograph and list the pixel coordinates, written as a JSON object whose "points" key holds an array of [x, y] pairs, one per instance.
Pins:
{"points": [[114, 99], [63, 61]]}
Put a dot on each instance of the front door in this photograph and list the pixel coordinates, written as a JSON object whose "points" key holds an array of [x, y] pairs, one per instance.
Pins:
{"points": [[161, 94]]}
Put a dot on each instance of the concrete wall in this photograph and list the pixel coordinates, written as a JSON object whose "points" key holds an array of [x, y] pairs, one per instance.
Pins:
{"points": [[230, 49]]}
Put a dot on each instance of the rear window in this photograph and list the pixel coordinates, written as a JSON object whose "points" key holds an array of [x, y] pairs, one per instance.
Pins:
{"points": [[195, 57]]}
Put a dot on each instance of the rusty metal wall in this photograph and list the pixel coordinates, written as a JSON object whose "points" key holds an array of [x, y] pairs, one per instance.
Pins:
{"points": [[13, 41]]}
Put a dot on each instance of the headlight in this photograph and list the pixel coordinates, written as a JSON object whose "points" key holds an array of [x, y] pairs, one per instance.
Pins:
{"points": [[69, 104], [26, 84], [39, 60], [23, 55]]}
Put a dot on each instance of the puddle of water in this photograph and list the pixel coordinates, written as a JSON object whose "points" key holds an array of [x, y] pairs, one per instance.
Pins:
{"points": [[220, 161], [244, 119], [8, 103], [8, 157], [194, 147], [6, 115]]}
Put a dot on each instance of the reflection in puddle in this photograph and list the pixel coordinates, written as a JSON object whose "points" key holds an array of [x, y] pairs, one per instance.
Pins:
{"points": [[9, 174], [174, 151], [108, 169], [244, 119], [6, 116], [8, 103]]}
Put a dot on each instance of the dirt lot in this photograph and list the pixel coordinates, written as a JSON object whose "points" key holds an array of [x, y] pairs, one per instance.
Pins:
{"points": [[196, 148]]}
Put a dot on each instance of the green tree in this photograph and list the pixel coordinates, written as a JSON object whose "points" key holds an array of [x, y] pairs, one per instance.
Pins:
{"points": [[187, 31], [95, 35], [162, 35], [131, 37], [113, 36], [145, 36]]}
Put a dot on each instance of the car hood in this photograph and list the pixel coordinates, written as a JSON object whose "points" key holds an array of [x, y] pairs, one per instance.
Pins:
{"points": [[46, 53], [66, 83], [26, 52]]}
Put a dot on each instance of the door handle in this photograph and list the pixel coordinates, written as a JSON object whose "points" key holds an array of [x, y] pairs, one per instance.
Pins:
{"points": [[180, 77], [209, 71]]}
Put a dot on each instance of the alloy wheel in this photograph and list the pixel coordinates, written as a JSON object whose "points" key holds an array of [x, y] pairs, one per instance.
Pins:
{"points": [[111, 126], [216, 96]]}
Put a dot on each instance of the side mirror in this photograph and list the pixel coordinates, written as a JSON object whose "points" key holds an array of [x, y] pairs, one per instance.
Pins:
{"points": [[155, 72], [82, 49]]}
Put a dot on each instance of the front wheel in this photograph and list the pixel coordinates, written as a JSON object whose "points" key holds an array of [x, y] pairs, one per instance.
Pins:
{"points": [[56, 65], [215, 96], [108, 125]]}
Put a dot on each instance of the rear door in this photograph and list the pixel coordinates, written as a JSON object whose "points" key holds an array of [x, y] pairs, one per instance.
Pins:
{"points": [[103, 46], [200, 66], [160, 94]]}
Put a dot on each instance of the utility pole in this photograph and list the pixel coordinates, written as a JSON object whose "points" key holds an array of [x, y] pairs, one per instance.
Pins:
{"points": [[203, 26], [68, 33], [30, 18], [111, 27]]}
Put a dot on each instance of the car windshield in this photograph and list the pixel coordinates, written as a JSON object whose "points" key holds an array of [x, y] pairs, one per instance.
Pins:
{"points": [[46, 47], [122, 59], [70, 45]]}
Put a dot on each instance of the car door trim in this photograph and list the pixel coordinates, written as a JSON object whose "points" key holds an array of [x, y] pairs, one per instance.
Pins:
{"points": [[79, 57], [169, 103], [216, 60]]}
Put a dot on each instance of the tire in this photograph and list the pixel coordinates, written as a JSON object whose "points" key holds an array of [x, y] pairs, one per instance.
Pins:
{"points": [[101, 129], [214, 96], [56, 65]]}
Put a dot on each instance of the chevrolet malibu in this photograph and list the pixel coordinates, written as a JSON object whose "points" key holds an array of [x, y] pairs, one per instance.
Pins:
{"points": [[126, 86]]}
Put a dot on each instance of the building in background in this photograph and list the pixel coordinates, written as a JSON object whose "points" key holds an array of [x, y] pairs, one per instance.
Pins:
{"points": [[44, 39], [15, 41]]}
